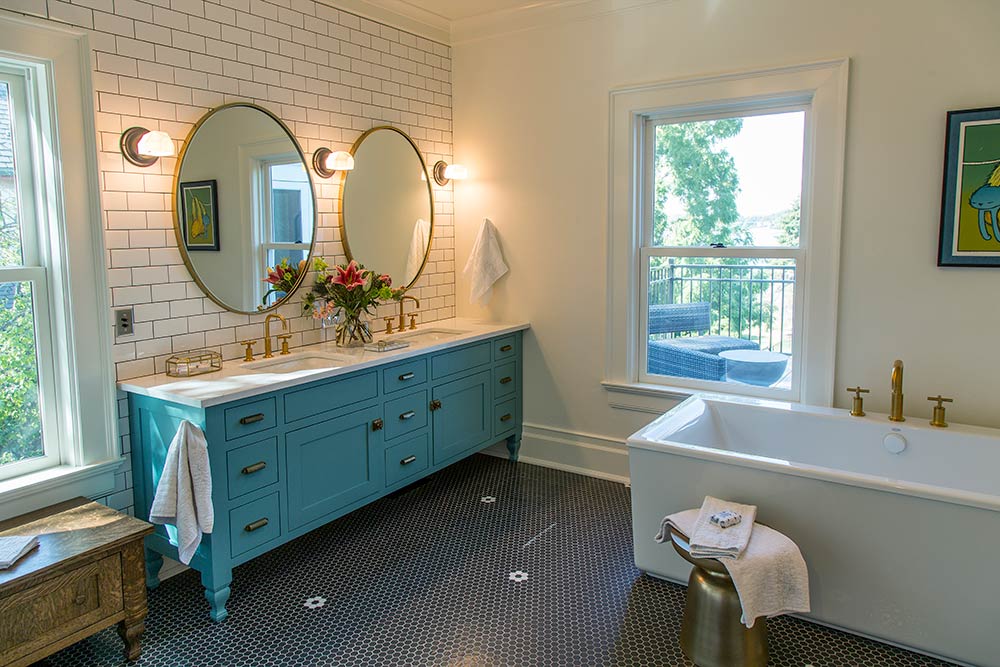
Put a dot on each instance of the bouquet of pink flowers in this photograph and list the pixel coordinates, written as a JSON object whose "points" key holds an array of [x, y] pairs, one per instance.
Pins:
{"points": [[282, 277], [349, 292]]}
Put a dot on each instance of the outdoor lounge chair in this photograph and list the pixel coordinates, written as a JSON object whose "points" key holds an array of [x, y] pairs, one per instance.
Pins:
{"points": [[694, 357]]}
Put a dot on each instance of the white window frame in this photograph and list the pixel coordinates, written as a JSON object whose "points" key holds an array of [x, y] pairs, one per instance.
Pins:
{"points": [[819, 88], [71, 250], [265, 219]]}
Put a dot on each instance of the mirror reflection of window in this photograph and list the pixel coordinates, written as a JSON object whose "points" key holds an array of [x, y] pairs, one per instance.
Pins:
{"points": [[286, 217]]}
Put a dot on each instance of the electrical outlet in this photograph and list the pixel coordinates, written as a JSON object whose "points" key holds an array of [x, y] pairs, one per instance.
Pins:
{"points": [[123, 322]]}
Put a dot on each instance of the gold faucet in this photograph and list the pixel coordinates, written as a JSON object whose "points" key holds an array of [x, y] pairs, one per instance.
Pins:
{"points": [[896, 409], [402, 315], [267, 332]]}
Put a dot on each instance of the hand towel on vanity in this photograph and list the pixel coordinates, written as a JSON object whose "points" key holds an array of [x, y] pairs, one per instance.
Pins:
{"points": [[184, 493], [418, 250], [485, 265], [711, 541], [770, 576]]}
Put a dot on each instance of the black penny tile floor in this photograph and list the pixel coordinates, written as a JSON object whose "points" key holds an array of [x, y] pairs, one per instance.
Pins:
{"points": [[485, 563]]}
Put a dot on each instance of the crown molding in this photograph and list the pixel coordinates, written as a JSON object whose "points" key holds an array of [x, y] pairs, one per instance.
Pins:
{"points": [[399, 14], [538, 14]]}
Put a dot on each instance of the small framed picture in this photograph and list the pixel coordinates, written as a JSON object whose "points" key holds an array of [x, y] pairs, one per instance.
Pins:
{"points": [[200, 215], [970, 230]]}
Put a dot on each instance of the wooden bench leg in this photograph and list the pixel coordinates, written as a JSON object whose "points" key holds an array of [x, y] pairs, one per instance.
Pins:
{"points": [[134, 592]]}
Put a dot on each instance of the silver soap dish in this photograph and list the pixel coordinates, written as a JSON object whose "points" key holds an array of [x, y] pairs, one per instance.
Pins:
{"points": [[386, 345]]}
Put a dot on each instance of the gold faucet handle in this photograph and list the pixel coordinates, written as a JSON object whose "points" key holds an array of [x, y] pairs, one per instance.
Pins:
{"points": [[858, 391], [413, 321], [388, 325], [858, 404], [937, 418], [249, 352], [940, 400], [284, 343]]}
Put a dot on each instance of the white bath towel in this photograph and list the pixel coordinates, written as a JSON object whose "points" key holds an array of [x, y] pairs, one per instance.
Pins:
{"points": [[485, 265], [711, 541], [771, 576], [184, 493], [418, 250]]}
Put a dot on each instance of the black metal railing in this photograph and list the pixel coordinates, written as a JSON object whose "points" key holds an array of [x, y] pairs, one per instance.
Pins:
{"points": [[751, 301]]}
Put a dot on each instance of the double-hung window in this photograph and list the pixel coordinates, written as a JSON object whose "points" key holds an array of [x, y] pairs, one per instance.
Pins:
{"points": [[285, 216], [724, 235]]}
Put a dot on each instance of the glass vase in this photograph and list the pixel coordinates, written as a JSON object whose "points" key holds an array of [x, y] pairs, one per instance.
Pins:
{"points": [[351, 329]]}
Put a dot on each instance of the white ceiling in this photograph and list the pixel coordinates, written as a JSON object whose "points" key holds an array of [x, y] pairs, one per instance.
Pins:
{"points": [[456, 10]]}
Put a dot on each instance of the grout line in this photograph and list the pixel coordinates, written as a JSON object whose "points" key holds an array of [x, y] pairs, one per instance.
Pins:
{"points": [[529, 542]]}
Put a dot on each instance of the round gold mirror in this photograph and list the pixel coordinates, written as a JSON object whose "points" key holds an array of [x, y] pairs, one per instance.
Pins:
{"points": [[243, 202], [387, 212]]}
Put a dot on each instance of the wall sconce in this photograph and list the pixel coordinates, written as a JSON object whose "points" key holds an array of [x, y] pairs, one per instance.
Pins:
{"points": [[143, 147], [327, 162], [444, 172]]}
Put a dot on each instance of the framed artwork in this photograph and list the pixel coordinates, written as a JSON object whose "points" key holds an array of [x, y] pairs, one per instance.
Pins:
{"points": [[970, 230], [200, 215]]}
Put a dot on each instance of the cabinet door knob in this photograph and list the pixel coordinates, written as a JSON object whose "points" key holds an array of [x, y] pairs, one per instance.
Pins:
{"points": [[409, 414], [405, 376], [506, 348], [252, 419], [256, 467], [435, 404], [256, 525], [506, 380], [80, 598], [378, 424], [408, 460]]}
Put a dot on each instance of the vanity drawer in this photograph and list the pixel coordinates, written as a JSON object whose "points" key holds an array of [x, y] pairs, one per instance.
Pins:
{"points": [[252, 467], [254, 524], [504, 415], [405, 414], [250, 418], [406, 459], [404, 376], [464, 359], [504, 379], [505, 348], [335, 395]]}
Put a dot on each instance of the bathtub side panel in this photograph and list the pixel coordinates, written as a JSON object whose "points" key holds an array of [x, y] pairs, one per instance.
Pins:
{"points": [[912, 571]]}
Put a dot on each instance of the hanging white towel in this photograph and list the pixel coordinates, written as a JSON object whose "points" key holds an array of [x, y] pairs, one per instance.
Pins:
{"points": [[184, 493], [419, 241], [770, 576], [485, 265]]}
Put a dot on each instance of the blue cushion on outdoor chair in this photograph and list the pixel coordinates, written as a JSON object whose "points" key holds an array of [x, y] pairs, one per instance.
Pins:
{"points": [[695, 357]]}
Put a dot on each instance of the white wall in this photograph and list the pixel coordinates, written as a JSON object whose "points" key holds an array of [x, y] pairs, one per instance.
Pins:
{"points": [[531, 121]]}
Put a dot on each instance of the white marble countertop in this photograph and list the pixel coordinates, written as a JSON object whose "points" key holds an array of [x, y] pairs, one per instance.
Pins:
{"points": [[239, 379]]}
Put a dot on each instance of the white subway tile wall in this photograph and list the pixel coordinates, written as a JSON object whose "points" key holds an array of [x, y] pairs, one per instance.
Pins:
{"points": [[328, 74]]}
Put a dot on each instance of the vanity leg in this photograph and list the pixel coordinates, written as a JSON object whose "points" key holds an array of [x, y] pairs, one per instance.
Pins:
{"points": [[217, 593], [154, 561], [513, 445]]}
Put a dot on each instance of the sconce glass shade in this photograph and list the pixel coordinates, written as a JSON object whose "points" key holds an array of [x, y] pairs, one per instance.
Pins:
{"points": [[143, 148], [327, 162], [444, 172]]}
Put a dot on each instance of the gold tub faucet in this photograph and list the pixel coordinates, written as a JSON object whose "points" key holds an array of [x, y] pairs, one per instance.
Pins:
{"points": [[268, 352], [896, 408], [402, 315]]}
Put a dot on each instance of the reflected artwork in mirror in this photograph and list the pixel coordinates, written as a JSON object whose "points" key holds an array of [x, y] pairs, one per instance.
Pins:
{"points": [[243, 202], [387, 216]]}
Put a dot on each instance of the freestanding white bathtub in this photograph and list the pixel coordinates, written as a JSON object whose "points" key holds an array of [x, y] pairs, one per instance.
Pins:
{"points": [[903, 547]]}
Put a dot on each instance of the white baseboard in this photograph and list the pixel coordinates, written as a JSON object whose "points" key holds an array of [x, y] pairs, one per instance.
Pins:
{"points": [[572, 451]]}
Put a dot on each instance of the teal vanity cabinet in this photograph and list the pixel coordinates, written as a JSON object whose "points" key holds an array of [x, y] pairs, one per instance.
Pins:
{"points": [[288, 461]]}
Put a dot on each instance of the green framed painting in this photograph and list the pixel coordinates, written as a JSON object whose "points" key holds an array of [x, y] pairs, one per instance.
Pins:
{"points": [[200, 215], [970, 230]]}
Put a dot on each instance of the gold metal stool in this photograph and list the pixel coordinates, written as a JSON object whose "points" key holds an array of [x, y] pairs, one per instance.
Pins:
{"points": [[711, 633]]}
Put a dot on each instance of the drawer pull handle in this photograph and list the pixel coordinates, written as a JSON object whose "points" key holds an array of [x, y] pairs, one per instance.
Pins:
{"points": [[506, 348], [406, 376], [252, 419], [506, 418], [506, 380], [435, 404], [409, 414], [256, 467], [408, 460], [378, 424], [256, 525]]}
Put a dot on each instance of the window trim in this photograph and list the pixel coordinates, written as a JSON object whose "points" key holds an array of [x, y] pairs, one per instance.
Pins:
{"points": [[90, 453], [824, 86]]}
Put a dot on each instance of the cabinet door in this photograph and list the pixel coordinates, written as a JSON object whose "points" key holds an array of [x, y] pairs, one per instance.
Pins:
{"points": [[462, 416], [332, 464]]}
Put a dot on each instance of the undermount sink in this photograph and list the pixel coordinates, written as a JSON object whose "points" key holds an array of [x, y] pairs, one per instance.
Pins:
{"points": [[430, 335], [297, 362]]}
